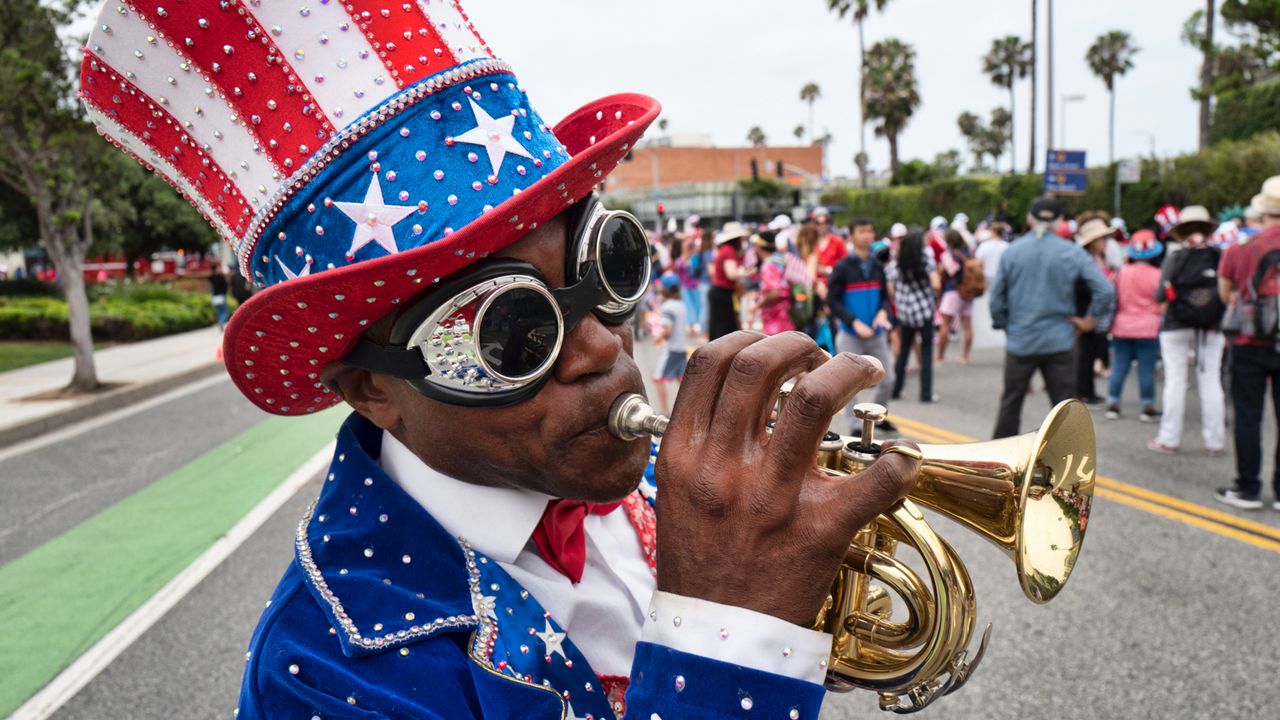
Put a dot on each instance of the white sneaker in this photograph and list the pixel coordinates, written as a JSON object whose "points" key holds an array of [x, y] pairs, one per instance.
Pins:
{"points": [[1234, 498]]}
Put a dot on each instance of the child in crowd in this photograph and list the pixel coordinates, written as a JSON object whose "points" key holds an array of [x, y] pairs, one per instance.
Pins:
{"points": [[671, 334]]}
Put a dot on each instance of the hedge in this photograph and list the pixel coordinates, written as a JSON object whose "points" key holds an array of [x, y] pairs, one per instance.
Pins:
{"points": [[1226, 174], [1241, 114], [917, 205], [124, 314], [29, 287]]}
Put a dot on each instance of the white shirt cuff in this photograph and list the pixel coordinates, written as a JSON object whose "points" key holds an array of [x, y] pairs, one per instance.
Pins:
{"points": [[738, 636]]}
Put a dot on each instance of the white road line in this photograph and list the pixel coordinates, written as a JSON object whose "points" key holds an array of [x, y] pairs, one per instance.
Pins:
{"points": [[92, 423], [96, 659]]}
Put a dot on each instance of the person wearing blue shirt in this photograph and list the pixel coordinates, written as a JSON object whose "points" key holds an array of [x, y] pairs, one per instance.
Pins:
{"points": [[858, 296], [1033, 301]]}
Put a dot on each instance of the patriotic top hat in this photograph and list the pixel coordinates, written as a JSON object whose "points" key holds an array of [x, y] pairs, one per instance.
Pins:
{"points": [[352, 152]]}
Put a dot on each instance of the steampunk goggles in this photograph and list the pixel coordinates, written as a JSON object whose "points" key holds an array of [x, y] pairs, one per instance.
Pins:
{"points": [[490, 337]]}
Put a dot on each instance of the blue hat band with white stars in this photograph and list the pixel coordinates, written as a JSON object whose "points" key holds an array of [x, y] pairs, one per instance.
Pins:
{"points": [[422, 171]]}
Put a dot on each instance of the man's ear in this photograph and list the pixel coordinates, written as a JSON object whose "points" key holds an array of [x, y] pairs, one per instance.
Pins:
{"points": [[367, 392]]}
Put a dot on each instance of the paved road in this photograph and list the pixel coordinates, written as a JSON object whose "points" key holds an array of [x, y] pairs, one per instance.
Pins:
{"points": [[1162, 618]]}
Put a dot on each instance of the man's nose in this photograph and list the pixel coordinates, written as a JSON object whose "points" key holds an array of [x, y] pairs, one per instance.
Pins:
{"points": [[591, 348]]}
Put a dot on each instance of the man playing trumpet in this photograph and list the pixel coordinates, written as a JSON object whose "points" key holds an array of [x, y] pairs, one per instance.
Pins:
{"points": [[431, 253]]}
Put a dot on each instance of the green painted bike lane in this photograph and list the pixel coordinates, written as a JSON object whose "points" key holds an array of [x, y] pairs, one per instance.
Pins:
{"points": [[62, 597]]}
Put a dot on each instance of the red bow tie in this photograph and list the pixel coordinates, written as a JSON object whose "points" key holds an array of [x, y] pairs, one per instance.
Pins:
{"points": [[560, 537]]}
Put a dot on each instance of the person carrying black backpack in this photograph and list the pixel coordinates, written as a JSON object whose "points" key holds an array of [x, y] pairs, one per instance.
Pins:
{"points": [[1191, 327], [1250, 280]]}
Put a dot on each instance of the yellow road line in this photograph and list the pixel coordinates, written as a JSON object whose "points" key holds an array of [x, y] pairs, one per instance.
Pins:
{"points": [[1248, 531], [1195, 520]]}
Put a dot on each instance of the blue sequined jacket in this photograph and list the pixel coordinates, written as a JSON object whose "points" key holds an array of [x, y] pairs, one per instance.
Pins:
{"points": [[382, 614]]}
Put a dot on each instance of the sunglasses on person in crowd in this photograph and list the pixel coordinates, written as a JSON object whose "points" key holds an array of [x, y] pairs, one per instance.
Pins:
{"points": [[490, 337]]}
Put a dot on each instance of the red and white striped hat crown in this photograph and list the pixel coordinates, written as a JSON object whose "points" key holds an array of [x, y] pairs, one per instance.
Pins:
{"points": [[348, 150]]}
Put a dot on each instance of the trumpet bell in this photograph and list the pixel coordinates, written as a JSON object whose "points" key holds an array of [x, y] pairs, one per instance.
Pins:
{"points": [[1029, 495]]}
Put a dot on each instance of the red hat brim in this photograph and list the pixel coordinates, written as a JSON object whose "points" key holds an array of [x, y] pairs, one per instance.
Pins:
{"points": [[281, 338]]}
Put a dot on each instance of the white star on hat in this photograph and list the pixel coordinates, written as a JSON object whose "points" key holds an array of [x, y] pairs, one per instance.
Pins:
{"points": [[494, 136], [374, 219], [552, 640], [291, 275]]}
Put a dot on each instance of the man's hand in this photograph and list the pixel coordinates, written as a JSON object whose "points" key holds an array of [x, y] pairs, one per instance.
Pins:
{"points": [[1084, 324], [745, 518], [882, 322], [863, 330]]}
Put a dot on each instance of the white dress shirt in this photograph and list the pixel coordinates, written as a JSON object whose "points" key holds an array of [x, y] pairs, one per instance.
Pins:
{"points": [[616, 603]]}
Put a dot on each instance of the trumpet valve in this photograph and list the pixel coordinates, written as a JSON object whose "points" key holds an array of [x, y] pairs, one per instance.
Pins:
{"points": [[870, 414]]}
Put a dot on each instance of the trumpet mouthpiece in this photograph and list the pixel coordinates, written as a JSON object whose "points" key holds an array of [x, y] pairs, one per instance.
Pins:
{"points": [[631, 418]]}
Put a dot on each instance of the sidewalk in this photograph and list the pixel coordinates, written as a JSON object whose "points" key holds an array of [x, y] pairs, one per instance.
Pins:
{"points": [[141, 370]]}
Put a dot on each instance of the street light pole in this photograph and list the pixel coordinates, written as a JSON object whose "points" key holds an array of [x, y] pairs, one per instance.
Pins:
{"points": [[1050, 72], [657, 194], [1151, 137], [1066, 100]]}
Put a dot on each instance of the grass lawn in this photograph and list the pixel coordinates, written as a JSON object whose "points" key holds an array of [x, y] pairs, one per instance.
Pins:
{"points": [[14, 354]]}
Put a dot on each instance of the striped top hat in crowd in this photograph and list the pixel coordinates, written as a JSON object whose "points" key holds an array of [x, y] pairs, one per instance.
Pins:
{"points": [[351, 152]]}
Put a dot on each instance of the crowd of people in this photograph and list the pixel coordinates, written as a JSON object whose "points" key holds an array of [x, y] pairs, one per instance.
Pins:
{"points": [[1080, 299]]}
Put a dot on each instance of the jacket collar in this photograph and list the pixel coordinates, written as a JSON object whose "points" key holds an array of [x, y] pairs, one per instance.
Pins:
{"points": [[384, 571], [453, 503]]}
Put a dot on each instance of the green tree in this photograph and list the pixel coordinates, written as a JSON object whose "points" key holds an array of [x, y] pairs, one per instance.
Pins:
{"points": [[859, 10], [1110, 57], [756, 137], [799, 132], [972, 129], [1008, 61], [142, 215], [998, 135], [663, 124], [810, 94], [891, 90], [985, 139], [1259, 18], [50, 155], [947, 164]]}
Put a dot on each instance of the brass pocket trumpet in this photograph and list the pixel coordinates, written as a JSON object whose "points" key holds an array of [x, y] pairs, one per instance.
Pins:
{"points": [[1029, 495]]}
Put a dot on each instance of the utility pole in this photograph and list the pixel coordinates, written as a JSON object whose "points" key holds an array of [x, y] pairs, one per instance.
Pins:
{"points": [[1035, 74], [1051, 96]]}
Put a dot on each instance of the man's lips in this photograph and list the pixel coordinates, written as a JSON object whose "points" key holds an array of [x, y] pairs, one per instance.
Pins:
{"points": [[596, 419]]}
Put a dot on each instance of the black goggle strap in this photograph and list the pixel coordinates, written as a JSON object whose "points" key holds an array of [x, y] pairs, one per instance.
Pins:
{"points": [[402, 363], [408, 363]]}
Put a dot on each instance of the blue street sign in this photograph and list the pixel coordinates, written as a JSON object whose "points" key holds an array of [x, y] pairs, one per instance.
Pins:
{"points": [[1065, 161], [1065, 183]]}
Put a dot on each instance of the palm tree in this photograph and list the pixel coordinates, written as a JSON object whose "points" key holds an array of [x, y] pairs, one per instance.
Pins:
{"points": [[1008, 61], [756, 137], [860, 9], [971, 129], [798, 132], [891, 90], [810, 94], [663, 124], [999, 135], [1111, 56]]}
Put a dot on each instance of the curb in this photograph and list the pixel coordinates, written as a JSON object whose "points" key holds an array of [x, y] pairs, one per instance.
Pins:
{"points": [[102, 404]]}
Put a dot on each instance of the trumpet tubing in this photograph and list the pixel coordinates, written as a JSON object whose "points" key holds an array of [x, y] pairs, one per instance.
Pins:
{"points": [[1030, 496]]}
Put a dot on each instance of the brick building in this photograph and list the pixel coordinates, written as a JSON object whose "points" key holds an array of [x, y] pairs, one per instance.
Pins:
{"points": [[673, 166]]}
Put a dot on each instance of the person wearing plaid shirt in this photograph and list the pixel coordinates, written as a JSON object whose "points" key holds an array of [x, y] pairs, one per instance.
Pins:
{"points": [[913, 285]]}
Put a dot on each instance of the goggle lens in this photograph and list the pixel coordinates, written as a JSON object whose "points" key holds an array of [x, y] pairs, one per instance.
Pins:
{"points": [[518, 333], [624, 257]]}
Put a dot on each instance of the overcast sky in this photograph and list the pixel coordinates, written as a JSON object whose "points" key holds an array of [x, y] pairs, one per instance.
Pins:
{"points": [[722, 66]]}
